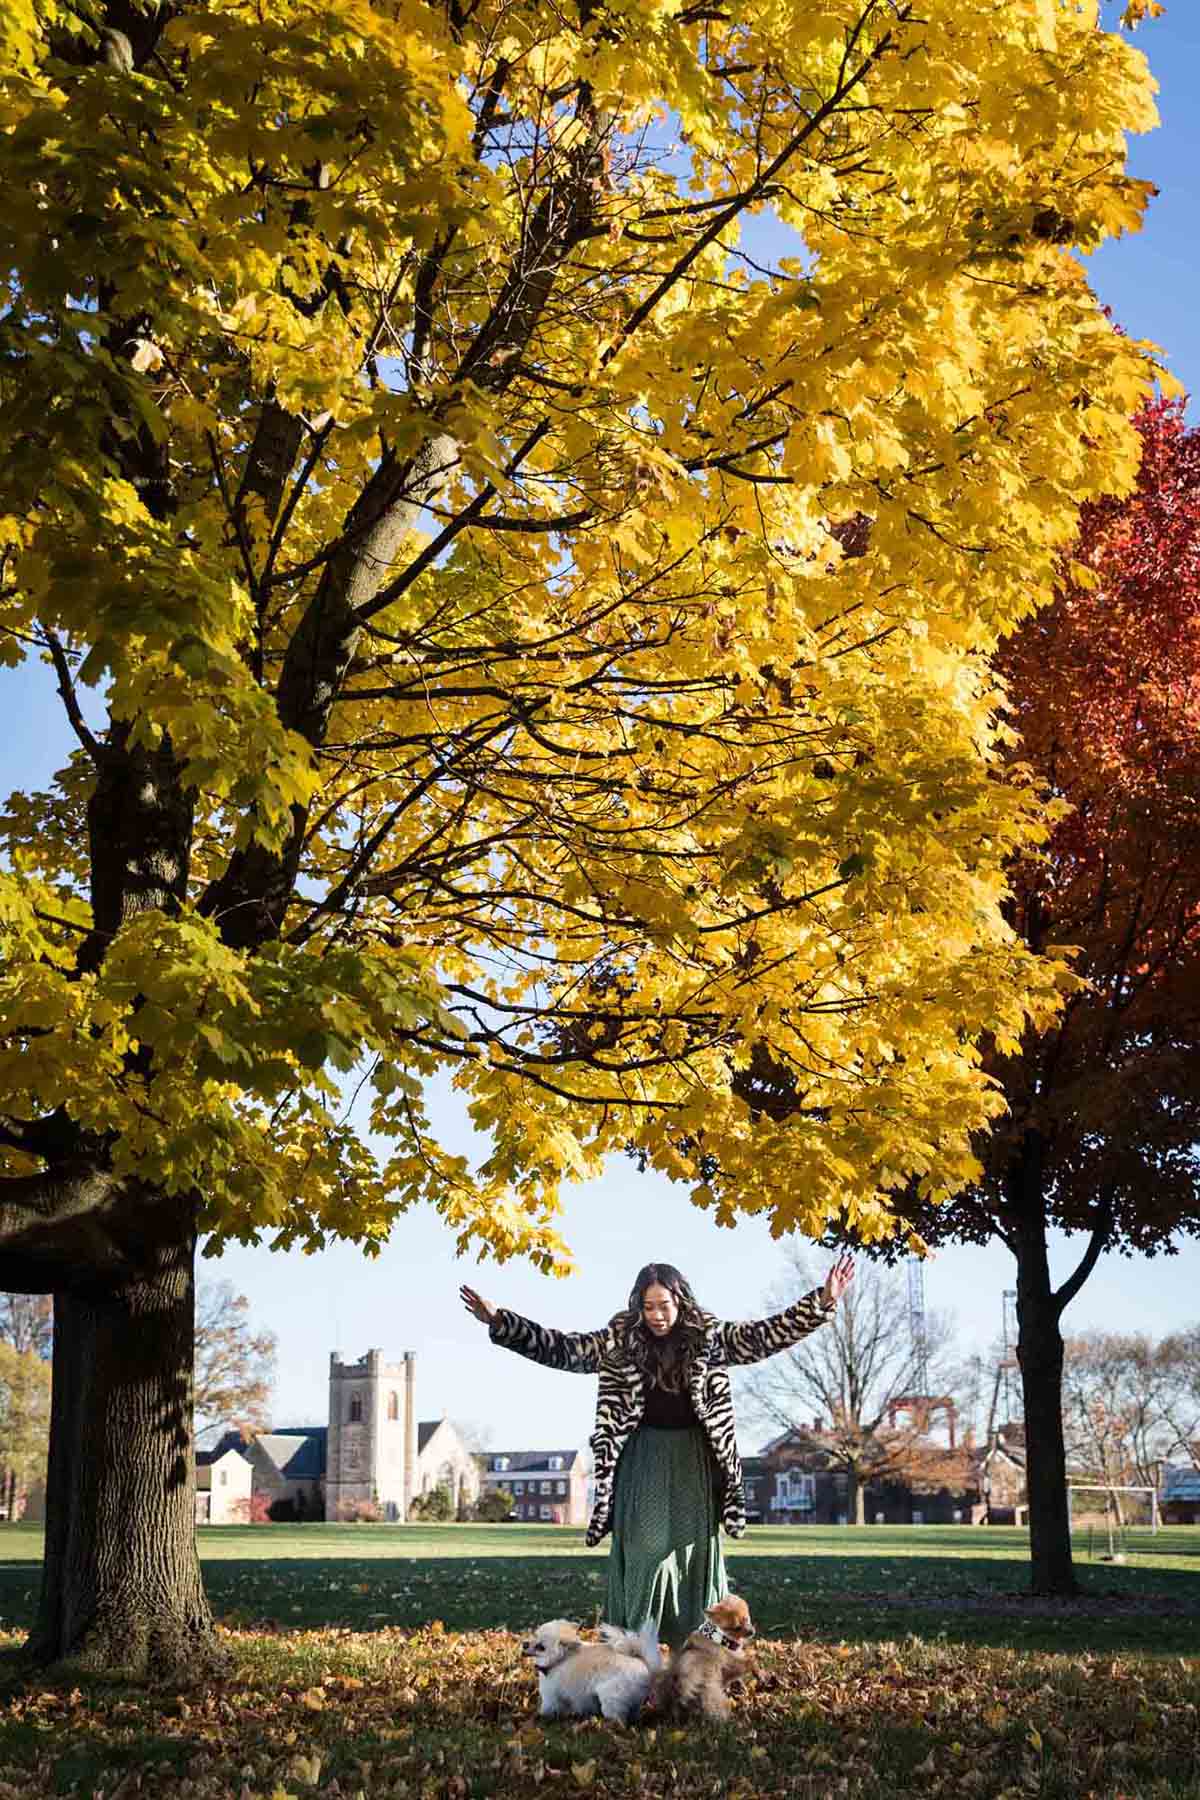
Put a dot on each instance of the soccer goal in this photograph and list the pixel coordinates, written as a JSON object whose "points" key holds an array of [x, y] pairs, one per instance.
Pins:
{"points": [[1108, 1514]]}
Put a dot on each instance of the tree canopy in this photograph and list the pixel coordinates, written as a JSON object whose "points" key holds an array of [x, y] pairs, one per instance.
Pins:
{"points": [[1105, 697], [509, 628]]}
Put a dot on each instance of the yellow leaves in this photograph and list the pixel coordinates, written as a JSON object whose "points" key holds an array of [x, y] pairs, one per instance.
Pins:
{"points": [[706, 764], [829, 458]]}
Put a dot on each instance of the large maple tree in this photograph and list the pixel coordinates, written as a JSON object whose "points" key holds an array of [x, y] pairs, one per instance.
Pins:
{"points": [[510, 629]]}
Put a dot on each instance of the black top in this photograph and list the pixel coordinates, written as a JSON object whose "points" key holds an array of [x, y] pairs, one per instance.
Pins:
{"points": [[667, 1411]]}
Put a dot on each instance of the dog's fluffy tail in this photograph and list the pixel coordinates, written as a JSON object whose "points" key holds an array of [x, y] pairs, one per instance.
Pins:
{"points": [[643, 1644]]}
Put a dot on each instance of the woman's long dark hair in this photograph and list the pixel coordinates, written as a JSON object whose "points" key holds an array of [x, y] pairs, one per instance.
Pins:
{"points": [[665, 1362]]}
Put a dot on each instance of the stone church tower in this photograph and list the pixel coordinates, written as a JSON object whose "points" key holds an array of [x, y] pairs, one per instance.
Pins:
{"points": [[371, 1453]]}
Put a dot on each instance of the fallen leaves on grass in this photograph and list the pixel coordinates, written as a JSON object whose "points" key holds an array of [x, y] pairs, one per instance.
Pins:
{"points": [[438, 1715]]}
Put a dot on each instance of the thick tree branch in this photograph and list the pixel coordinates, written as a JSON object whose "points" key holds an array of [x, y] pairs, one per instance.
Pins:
{"points": [[1097, 1243]]}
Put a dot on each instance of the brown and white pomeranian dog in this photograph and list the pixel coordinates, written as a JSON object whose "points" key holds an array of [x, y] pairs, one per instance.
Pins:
{"points": [[712, 1657], [575, 1677]]}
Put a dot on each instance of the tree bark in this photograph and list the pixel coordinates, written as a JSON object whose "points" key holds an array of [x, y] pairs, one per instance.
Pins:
{"points": [[121, 1584], [1040, 1354]]}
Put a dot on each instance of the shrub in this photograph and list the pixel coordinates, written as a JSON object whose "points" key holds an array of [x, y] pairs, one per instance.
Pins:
{"points": [[359, 1512], [495, 1506], [436, 1506]]}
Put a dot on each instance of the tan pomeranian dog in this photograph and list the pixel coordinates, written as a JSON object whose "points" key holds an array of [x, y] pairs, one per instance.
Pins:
{"points": [[713, 1656], [577, 1678]]}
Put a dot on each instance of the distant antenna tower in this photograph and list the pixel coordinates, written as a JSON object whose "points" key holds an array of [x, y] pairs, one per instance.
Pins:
{"points": [[1009, 1361], [916, 1326]]}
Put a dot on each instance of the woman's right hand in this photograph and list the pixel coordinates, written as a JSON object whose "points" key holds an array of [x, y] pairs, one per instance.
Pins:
{"points": [[475, 1303]]}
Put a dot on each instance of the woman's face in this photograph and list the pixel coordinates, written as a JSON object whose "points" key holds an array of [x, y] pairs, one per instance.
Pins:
{"points": [[660, 1309]]}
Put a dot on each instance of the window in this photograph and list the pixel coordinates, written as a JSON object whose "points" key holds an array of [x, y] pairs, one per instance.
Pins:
{"points": [[795, 1491], [555, 1462], [355, 1414], [560, 1487], [223, 1478], [547, 1512], [547, 1487], [499, 1462], [518, 1487], [393, 1406]]}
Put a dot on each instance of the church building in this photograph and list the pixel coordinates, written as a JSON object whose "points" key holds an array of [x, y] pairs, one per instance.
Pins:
{"points": [[373, 1459]]}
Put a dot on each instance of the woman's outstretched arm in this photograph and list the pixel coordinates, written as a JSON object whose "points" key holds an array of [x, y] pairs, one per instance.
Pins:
{"points": [[750, 1340], [578, 1352]]}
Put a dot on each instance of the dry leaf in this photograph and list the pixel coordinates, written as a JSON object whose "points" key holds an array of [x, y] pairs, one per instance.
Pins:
{"points": [[146, 355]]}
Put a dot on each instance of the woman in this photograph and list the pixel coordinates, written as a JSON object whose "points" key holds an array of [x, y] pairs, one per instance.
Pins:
{"points": [[665, 1457]]}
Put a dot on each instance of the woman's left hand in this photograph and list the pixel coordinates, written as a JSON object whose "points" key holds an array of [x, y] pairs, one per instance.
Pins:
{"points": [[838, 1278]]}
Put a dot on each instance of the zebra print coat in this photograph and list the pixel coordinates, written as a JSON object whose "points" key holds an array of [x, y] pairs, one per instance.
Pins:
{"points": [[620, 1400]]}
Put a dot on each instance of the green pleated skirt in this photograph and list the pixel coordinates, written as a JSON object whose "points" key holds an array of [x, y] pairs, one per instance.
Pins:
{"points": [[665, 1562]]}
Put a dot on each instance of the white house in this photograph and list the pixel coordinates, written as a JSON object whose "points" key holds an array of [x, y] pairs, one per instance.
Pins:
{"points": [[223, 1482]]}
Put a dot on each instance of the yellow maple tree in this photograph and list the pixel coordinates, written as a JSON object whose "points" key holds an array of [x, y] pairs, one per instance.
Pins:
{"points": [[531, 492]]}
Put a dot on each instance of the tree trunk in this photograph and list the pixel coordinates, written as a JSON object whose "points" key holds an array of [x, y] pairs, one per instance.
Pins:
{"points": [[121, 1585], [1040, 1354]]}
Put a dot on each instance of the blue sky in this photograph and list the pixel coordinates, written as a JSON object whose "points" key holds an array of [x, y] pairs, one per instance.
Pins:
{"points": [[407, 1298]]}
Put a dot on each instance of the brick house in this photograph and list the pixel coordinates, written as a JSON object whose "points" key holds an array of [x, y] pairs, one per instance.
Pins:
{"points": [[550, 1486], [795, 1480]]}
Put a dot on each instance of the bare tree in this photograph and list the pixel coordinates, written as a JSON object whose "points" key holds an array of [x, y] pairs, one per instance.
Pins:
{"points": [[1131, 1403], [235, 1365], [475, 1434], [1182, 1406], [27, 1323], [857, 1383]]}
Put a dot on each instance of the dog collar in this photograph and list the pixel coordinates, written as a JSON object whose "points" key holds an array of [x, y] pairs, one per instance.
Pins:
{"points": [[708, 1630]]}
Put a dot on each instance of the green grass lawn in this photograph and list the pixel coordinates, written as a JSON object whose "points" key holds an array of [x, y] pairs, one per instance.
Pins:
{"points": [[383, 1663], [824, 1584]]}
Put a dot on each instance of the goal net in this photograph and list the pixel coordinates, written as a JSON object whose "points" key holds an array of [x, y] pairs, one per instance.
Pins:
{"points": [[1111, 1513]]}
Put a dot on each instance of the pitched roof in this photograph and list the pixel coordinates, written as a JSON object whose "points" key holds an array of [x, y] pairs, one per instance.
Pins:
{"points": [[531, 1462], [206, 1458], [298, 1456], [796, 1437], [233, 1439], [425, 1431]]}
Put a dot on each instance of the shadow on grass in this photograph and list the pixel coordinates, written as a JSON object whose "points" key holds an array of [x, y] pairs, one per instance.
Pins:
{"points": [[981, 1601], [853, 1598]]}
